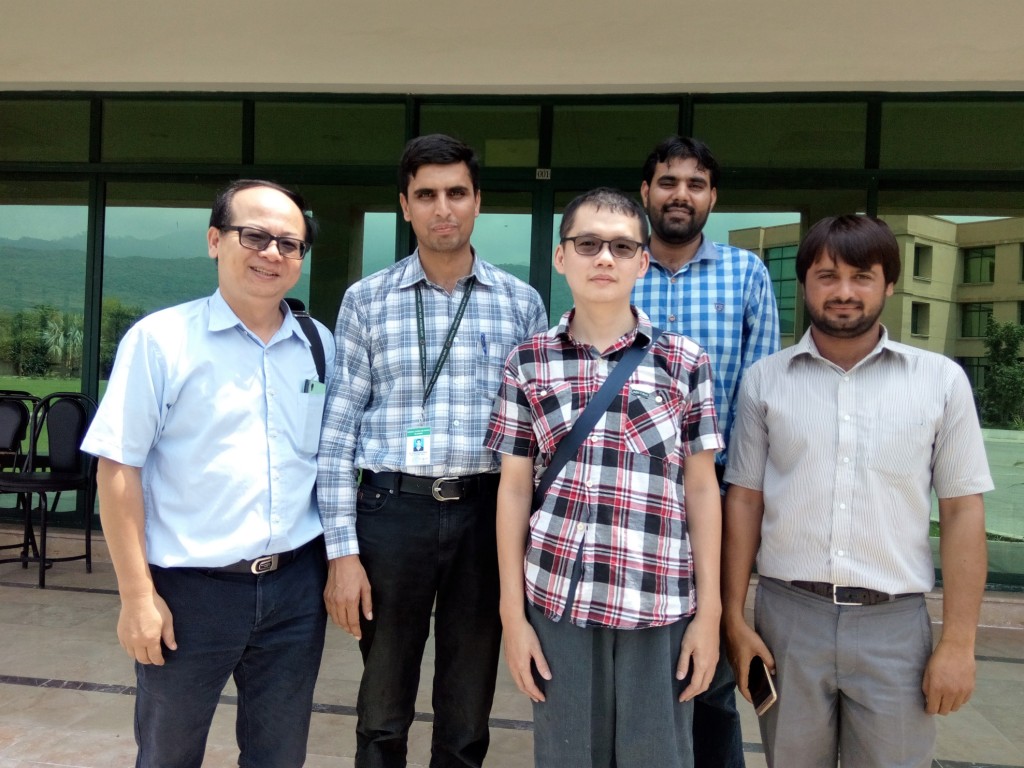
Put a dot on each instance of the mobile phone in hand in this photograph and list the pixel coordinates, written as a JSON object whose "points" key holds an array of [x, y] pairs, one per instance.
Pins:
{"points": [[761, 686]]}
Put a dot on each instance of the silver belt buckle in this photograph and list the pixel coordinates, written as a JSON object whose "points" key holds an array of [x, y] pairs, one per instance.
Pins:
{"points": [[435, 489], [835, 596], [264, 564]]}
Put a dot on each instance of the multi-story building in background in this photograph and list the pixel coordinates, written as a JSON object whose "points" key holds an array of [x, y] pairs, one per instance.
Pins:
{"points": [[955, 276]]}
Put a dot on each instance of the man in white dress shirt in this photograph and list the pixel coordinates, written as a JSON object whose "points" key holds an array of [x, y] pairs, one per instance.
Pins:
{"points": [[838, 443]]}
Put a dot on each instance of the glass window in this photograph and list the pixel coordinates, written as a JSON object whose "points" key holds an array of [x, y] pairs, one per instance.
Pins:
{"points": [[975, 368], [974, 318], [783, 135], [502, 136], [43, 228], [919, 318], [140, 130], [154, 254], [922, 262], [46, 130], [357, 238], [979, 265], [42, 294], [502, 233], [782, 268], [349, 134], [611, 136], [952, 135]]}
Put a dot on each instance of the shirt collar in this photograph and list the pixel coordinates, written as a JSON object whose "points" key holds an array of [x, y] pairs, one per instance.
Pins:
{"points": [[223, 317], [807, 348], [642, 332], [414, 273], [706, 252]]}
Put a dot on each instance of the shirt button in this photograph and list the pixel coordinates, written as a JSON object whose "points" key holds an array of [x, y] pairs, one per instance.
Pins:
{"points": [[543, 393], [455, 423], [842, 506], [672, 318], [840, 553], [846, 459], [581, 527], [593, 438], [846, 417], [658, 399], [672, 280]]}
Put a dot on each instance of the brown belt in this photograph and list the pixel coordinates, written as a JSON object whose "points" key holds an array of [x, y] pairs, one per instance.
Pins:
{"points": [[849, 595]]}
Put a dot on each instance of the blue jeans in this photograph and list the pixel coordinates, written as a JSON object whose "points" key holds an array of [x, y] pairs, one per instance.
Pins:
{"points": [[717, 738], [266, 631], [421, 554]]}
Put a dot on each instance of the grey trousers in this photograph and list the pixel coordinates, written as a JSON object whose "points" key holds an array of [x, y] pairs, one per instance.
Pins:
{"points": [[613, 699], [849, 681]]}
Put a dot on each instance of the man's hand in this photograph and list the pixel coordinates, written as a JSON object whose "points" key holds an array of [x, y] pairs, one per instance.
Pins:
{"points": [[700, 645], [948, 678], [521, 648], [145, 622], [347, 592], [743, 644]]}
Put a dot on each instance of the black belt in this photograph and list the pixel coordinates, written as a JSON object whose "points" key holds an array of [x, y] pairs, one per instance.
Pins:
{"points": [[440, 488], [265, 564], [849, 595]]}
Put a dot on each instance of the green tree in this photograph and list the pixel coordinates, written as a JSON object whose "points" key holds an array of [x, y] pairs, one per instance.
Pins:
{"points": [[117, 319], [62, 334], [23, 343], [1002, 397]]}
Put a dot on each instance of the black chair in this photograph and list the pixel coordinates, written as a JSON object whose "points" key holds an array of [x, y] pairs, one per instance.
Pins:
{"points": [[63, 418], [14, 418]]}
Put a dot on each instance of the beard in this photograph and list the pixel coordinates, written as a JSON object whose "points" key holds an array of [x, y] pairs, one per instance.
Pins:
{"points": [[843, 329], [677, 232]]}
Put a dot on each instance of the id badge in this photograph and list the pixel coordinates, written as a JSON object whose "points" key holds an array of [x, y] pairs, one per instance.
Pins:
{"points": [[417, 447]]}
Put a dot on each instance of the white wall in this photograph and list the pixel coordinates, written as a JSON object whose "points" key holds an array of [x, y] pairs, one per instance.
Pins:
{"points": [[512, 46]]}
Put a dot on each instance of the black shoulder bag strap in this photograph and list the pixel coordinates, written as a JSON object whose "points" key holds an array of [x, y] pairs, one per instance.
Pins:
{"points": [[591, 414], [316, 344]]}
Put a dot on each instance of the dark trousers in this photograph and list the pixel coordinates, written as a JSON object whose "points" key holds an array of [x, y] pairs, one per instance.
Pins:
{"points": [[613, 698], [421, 554], [717, 738], [265, 631]]}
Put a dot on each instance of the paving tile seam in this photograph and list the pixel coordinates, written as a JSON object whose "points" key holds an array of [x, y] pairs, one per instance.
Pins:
{"points": [[350, 711]]}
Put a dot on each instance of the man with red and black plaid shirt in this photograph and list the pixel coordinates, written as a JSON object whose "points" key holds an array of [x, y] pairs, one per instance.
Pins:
{"points": [[610, 590]]}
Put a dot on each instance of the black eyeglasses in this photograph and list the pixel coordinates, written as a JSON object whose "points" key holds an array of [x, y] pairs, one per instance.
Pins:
{"points": [[257, 240], [620, 247]]}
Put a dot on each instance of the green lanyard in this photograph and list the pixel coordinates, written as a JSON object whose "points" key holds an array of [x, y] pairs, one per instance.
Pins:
{"points": [[422, 334]]}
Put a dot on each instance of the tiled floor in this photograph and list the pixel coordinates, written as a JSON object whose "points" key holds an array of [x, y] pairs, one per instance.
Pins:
{"points": [[65, 688]]}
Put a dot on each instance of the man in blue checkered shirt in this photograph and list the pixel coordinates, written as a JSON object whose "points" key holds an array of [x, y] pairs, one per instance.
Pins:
{"points": [[722, 297]]}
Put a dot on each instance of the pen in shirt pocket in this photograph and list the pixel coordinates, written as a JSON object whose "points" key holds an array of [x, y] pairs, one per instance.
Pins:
{"points": [[483, 343]]}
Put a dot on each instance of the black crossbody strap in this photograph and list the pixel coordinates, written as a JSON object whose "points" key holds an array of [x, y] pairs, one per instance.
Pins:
{"points": [[591, 414], [316, 344]]}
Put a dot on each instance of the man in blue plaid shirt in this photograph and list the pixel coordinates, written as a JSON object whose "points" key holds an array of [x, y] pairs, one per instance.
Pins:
{"points": [[722, 297]]}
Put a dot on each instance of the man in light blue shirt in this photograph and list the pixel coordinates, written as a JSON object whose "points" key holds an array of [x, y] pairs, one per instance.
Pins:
{"points": [[207, 439], [722, 297]]}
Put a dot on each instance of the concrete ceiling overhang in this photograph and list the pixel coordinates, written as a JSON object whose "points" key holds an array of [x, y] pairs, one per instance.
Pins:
{"points": [[526, 46]]}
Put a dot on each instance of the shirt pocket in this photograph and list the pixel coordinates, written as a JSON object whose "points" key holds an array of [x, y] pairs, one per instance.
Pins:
{"points": [[490, 366], [900, 445], [313, 405], [551, 405], [652, 422]]}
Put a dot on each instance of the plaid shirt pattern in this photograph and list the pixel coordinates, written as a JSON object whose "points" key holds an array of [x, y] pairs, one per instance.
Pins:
{"points": [[376, 393], [619, 504], [723, 299]]}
